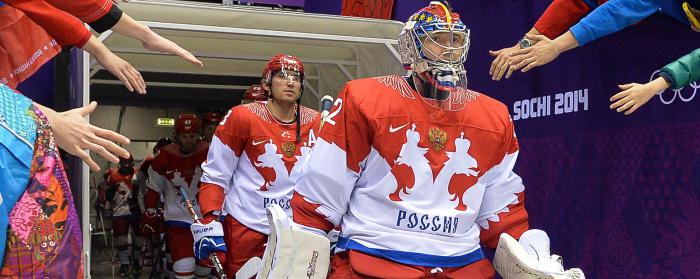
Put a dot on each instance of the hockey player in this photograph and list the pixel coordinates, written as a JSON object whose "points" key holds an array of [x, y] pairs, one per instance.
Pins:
{"points": [[178, 166], [142, 174], [254, 93], [210, 120], [254, 161], [152, 229], [122, 194], [417, 170]]}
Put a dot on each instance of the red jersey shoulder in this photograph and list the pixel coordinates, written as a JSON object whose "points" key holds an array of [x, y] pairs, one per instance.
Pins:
{"points": [[202, 149], [254, 110], [165, 155], [308, 115], [490, 110], [258, 110]]}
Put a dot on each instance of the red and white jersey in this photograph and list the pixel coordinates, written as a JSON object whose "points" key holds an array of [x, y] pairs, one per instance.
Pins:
{"points": [[257, 162], [409, 181], [125, 192], [169, 171]]}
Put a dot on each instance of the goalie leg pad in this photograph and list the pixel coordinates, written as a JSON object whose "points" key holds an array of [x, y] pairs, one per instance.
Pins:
{"points": [[512, 261], [292, 252]]}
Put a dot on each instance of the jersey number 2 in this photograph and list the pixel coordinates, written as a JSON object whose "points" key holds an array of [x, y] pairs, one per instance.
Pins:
{"points": [[339, 104]]}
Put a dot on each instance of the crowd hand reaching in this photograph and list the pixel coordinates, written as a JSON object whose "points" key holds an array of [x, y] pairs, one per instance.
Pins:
{"points": [[635, 95], [155, 42], [502, 64], [114, 64], [543, 52], [150, 40], [75, 135]]}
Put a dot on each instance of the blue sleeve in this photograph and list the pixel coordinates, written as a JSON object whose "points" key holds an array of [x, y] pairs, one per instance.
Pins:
{"points": [[611, 17]]}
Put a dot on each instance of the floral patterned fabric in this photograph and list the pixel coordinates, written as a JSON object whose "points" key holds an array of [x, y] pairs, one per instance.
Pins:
{"points": [[17, 137], [44, 238]]}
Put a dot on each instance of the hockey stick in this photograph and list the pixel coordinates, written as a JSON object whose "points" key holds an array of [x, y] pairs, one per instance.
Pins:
{"points": [[326, 104], [214, 259]]}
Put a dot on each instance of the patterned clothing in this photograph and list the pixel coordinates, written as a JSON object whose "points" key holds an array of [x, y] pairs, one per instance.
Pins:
{"points": [[44, 238], [17, 135]]}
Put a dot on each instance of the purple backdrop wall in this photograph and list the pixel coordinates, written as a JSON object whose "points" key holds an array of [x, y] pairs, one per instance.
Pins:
{"points": [[39, 87], [619, 195]]}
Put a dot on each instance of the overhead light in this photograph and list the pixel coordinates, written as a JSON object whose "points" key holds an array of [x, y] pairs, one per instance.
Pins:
{"points": [[165, 122]]}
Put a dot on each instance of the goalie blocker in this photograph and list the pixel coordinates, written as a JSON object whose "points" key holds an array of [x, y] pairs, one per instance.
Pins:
{"points": [[292, 252]]}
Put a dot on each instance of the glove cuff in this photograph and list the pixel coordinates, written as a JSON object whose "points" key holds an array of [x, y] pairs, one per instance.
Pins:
{"points": [[212, 229]]}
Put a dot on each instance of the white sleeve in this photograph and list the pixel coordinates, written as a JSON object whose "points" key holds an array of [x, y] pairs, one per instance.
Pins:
{"points": [[329, 176], [220, 164], [503, 206], [502, 186], [156, 181]]}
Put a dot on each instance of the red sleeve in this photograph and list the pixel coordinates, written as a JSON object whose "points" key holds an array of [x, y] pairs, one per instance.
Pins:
{"points": [[560, 16], [65, 28], [25, 46], [211, 197], [514, 222], [85, 10], [102, 15]]}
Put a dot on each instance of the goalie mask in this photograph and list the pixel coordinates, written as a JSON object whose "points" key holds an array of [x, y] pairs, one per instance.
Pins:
{"points": [[434, 44]]}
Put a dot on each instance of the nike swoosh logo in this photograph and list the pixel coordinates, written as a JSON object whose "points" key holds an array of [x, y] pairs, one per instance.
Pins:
{"points": [[258, 142], [393, 130]]}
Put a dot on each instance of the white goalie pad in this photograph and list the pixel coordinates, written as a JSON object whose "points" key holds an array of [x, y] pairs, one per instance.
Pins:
{"points": [[530, 258], [292, 252]]}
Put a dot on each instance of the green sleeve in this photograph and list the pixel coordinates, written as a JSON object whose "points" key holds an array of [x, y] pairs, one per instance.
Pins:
{"points": [[684, 70]]}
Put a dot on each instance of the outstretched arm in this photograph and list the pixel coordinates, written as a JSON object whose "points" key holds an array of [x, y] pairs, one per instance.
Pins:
{"points": [[75, 135], [151, 40], [121, 69], [559, 17]]}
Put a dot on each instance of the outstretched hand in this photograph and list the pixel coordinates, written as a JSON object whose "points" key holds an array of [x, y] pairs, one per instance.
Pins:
{"points": [[541, 53], [121, 69], [502, 64], [114, 64], [75, 135], [156, 42], [635, 95]]}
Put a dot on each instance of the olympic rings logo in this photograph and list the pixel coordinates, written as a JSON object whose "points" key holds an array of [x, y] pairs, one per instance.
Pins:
{"points": [[676, 92]]}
